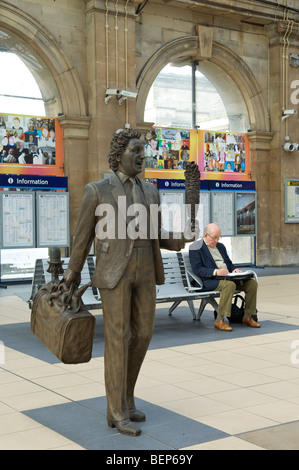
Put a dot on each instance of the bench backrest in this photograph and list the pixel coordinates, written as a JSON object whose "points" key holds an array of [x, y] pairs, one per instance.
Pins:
{"points": [[190, 276], [177, 269], [86, 272], [172, 270]]}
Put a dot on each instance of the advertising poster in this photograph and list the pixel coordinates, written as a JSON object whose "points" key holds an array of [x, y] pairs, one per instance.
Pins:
{"points": [[246, 214], [224, 156], [167, 152], [219, 155], [30, 145]]}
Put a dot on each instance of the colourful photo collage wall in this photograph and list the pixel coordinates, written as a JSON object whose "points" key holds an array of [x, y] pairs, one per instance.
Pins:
{"points": [[219, 155], [30, 145]]}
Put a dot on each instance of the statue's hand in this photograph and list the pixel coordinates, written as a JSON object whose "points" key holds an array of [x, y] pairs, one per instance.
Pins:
{"points": [[71, 279], [66, 291]]}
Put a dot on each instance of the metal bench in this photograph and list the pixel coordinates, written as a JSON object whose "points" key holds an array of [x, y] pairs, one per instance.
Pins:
{"points": [[207, 297], [176, 289], [178, 285], [38, 280]]}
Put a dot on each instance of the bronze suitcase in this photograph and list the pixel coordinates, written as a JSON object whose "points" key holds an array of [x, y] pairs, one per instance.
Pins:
{"points": [[66, 329]]}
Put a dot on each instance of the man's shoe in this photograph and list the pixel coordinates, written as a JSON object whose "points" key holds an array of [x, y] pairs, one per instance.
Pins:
{"points": [[125, 426], [221, 325], [250, 322], [136, 415]]}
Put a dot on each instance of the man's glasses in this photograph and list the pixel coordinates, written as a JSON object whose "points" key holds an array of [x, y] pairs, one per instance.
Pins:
{"points": [[216, 239]]}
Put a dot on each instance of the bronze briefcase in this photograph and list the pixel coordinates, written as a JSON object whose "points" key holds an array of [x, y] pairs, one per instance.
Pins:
{"points": [[65, 328]]}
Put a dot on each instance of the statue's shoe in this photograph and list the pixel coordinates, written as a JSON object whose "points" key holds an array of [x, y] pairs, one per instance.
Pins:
{"points": [[136, 415], [125, 426]]}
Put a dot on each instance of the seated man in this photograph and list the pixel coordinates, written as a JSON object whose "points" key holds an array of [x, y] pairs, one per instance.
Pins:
{"points": [[209, 259]]}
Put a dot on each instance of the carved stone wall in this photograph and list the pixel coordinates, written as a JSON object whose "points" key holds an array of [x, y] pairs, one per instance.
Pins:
{"points": [[76, 49]]}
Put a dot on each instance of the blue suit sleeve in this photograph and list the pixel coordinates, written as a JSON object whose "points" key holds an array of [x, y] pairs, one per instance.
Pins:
{"points": [[199, 266]]}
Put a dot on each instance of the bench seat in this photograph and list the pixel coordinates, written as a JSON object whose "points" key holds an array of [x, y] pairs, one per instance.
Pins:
{"points": [[176, 289]]}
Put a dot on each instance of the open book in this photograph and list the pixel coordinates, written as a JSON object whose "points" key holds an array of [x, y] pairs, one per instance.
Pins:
{"points": [[239, 276]]}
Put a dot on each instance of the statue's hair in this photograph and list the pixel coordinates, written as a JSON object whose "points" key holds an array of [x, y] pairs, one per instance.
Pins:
{"points": [[119, 143]]}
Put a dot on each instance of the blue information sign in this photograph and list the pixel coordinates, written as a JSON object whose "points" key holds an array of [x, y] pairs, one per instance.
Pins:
{"points": [[220, 185], [172, 184], [33, 182]]}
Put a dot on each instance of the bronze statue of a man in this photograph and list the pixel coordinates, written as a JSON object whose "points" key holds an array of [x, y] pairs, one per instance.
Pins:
{"points": [[127, 270]]}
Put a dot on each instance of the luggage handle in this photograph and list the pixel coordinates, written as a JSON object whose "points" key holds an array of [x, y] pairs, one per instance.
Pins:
{"points": [[238, 296], [67, 298]]}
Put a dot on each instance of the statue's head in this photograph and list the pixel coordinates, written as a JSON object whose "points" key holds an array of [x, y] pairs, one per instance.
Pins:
{"points": [[126, 152]]}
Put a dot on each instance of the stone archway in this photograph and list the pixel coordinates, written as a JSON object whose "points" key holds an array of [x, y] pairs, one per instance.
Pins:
{"points": [[234, 70], [61, 90], [55, 74], [238, 89]]}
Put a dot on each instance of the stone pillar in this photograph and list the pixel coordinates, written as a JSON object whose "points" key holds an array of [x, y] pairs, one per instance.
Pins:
{"points": [[263, 172], [110, 30], [75, 152], [277, 242]]}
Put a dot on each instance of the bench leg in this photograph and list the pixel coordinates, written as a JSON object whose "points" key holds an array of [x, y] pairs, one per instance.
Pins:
{"points": [[191, 306], [203, 303], [177, 302], [174, 305]]}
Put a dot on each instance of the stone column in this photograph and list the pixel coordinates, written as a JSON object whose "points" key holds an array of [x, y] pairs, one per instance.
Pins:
{"points": [[264, 173], [110, 30], [75, 151], [282, 238]]}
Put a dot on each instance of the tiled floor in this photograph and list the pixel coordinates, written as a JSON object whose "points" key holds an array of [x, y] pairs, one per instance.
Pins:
{"points": [[200, 388]]}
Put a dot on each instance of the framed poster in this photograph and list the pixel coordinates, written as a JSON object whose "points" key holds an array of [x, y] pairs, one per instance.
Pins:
{"points": [[204, 214], [245, 213], [52, 212], [173, 210], [223, 156], [222, 211], [291, 201], [219, 155], [17, 219], [168, 150]]}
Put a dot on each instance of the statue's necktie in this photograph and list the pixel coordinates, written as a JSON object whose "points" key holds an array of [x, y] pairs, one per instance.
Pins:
{"points": [[141, 222], [135, 192]]}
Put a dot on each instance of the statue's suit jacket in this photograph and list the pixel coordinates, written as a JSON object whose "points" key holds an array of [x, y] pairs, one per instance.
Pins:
{"points": [[113, 253]]}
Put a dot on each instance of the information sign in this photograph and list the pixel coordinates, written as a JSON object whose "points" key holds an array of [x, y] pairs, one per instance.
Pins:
{"points": [[222, 211], [53, 219], [173, 210], [17, 219], [292, 201]]}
